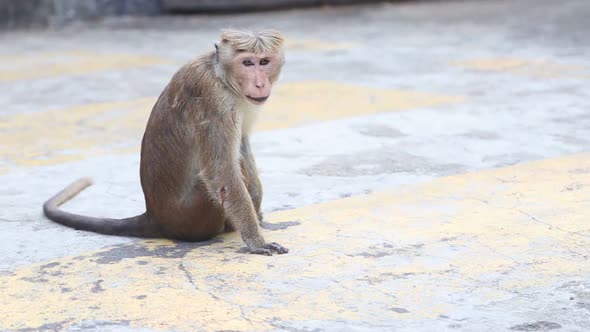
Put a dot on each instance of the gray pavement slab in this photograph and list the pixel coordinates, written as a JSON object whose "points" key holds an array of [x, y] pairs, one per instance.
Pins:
{"points": [[522, 69]]}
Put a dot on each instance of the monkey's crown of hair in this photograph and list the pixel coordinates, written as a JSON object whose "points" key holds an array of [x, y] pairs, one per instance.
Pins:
{"points": [[265, 41]]}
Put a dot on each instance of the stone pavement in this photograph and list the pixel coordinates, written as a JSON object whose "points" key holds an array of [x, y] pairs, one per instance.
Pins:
{"points": [[426, 163]]}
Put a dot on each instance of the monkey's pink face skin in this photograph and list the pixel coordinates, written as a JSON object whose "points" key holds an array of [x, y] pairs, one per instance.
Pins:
{"points": [[255, 73]]}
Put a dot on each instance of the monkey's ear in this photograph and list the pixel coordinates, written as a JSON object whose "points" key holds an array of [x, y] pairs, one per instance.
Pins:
{"points": [[216, 52]]}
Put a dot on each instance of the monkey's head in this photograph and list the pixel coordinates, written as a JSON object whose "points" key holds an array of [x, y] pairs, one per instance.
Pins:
{"points": [[249, 63]]}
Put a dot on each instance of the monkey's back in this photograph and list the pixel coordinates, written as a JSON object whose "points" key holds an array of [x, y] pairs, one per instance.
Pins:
{"points": [[176, 197]]}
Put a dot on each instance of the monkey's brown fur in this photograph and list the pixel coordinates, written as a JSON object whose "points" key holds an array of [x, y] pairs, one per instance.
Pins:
{"points": [[197, 171]]}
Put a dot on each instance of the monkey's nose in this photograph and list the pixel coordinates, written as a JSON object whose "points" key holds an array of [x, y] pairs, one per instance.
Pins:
{"points": [[260, 85]]}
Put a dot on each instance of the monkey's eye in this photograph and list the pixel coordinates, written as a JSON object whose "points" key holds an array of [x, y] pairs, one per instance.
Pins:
{"points": [[248, 63], [264, 62]]}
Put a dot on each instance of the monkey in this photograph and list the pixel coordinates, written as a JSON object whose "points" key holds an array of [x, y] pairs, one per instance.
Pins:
{"points": [[197, 171]]}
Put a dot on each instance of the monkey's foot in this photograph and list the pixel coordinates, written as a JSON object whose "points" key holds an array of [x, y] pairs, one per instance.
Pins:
{"points": [[269, 248]]}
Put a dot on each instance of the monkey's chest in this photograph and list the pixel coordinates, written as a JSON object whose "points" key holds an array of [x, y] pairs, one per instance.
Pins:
{"points": [[248, 116]]}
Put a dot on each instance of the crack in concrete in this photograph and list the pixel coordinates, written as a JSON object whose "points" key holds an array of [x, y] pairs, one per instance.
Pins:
{"points": [[191, 280], [239, 306], [210, 293], [187, 274], [535, 219], [495, 284], [372, 284], [498, 253], [243, 314]]}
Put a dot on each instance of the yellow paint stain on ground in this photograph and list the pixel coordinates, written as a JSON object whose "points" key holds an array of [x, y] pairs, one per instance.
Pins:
{"points": [[51, 137], [457, 244], [295, 104], [49, 64], [317, 45], [45, 138], [526, 67]]}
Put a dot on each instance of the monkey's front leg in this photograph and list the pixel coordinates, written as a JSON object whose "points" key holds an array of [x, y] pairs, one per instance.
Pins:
{"points": [[250, 174], [230, 191], [238, 206], [223, 177]]}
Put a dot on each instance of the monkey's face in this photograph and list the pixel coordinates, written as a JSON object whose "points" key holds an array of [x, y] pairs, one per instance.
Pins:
{"points": [[254, 74]]}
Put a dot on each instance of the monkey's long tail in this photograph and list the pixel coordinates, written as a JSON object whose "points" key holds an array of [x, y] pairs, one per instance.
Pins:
{"points": [[138, 226]]}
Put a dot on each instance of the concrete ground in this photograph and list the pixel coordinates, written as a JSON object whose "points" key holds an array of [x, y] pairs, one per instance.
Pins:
{"points": [[427, 164]]}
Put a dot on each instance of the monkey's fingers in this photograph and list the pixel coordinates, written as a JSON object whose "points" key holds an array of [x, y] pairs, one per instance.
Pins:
{"points": [[261, 251], [275, 247], [269, 248]]}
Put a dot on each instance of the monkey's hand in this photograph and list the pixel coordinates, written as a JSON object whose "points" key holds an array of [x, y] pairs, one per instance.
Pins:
{"points": [[268, 249]]}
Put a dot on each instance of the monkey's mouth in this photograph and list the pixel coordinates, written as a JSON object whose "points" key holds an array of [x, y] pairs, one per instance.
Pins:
{"points": [[259, 100]]}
